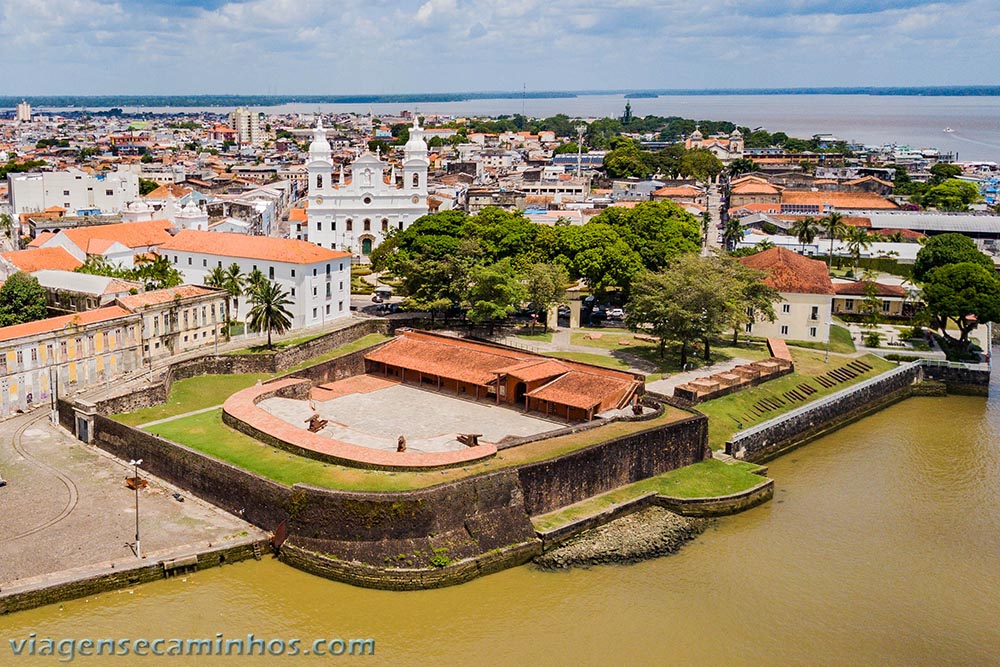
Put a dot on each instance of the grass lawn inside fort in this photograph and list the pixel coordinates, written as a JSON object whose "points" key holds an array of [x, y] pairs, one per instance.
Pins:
{"points": [[206, 433], [204, 391], [628, 345], [708, 479], [724, 413]]}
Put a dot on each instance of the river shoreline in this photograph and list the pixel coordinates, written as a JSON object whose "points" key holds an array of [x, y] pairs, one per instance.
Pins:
{"points": [[648, 533]]}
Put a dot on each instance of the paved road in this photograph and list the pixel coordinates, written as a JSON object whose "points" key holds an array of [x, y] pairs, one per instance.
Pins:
{"points": [[66, 506]]}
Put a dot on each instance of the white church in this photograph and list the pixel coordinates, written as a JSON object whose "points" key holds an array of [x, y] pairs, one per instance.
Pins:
{"points": [[355, 212]]}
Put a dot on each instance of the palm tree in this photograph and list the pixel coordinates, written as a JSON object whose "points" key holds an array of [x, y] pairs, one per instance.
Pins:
{"points": [[732, 233], [254, 278], [157, 272], [216, 278], [834, 227], [234, 283], [805, 230], [268, 311], [857, 240]]}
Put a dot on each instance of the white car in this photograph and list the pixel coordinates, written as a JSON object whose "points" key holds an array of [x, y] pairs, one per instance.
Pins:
{"points": [[616, 313]]}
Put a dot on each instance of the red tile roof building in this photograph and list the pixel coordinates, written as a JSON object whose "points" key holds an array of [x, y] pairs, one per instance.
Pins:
{"points": [[804, 312], [564, 389]]}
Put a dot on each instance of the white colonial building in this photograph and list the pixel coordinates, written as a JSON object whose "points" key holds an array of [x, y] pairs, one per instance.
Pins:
{"points": [[76, 192], [317, 280], [354, 213]]}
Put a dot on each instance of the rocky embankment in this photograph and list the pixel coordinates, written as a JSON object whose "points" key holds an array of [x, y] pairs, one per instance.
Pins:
{"points": [[648, 533]]}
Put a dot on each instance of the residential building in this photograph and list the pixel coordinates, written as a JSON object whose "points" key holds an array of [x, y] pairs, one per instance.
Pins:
{"points": [[118, 244], [804, 312], [476, 199], [317, 280], [179, 319], [70, 292], [247, 125], [22, 112], [31, 260], [63, 354], [76, 191], [891, 300], [354, 214]]}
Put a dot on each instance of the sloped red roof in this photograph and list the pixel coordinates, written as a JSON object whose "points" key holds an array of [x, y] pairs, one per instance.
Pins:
{"points": [[224, 244], [129, 234], [36, 259], [135, 302], [858, 289], [788, 271], [573, 384], [53, 324]]}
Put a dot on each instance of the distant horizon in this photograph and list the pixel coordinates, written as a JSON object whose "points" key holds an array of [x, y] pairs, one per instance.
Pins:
{"points": [[273, 99]]}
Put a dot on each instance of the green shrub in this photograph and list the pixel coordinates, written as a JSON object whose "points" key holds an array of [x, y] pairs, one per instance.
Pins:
{"points": [[873, 339], [440, 558]]}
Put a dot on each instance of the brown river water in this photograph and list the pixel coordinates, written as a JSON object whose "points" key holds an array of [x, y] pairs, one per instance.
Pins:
{"points": [[881, 547]]}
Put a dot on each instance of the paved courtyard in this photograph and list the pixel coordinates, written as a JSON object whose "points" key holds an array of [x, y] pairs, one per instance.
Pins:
{"points": [[429, 420], [66, 507]]}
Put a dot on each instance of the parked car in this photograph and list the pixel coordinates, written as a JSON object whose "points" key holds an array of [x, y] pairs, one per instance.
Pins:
{"points": [[616, 313]]}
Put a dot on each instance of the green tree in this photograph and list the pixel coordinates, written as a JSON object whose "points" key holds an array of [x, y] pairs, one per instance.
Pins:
{"points": [[857, 239], [942, 171], [254, 279], [626, 161], [676, 304], [701, 164], [568, 147], [545, 286], [951, 195], [740, 166], [234, 284], [155, 272], [732, 233], [659, 230], [495, 291], [805, 230], [6, 224], [22, 299], [966, 294], [945, 249], [268, 311], [146, 186], [834, 227]]}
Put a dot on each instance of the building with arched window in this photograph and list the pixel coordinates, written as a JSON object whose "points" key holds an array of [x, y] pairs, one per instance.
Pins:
{"points": [[354, 210]]}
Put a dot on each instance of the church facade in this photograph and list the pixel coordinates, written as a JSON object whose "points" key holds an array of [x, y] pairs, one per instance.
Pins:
{"points": [[355, 211]]}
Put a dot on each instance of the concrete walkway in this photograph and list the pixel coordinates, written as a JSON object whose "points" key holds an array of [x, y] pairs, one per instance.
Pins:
{"points": [[66, 507], [666, 385], [180, 416]]}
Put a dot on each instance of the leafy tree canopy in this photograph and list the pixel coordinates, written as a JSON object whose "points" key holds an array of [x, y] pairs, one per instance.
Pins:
{"points": [[945, 249], [964, 294], [22, 299]]}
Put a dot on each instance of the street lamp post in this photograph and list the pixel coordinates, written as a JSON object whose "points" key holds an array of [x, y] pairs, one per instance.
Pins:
{"points": [[135, 463]]}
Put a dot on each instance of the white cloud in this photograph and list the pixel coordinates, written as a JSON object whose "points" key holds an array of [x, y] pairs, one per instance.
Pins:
{"points": [[385, 46]]}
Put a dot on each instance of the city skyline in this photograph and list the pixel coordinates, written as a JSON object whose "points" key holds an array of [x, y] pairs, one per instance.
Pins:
{"points": [[388, 48]]}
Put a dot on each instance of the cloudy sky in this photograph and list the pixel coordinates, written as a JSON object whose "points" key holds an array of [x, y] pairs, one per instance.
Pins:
{"points": [[395, 46]]}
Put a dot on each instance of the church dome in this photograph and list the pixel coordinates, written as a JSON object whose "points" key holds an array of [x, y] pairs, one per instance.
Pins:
{"points": [[736, 134], [319, 149], [416, 143], [697, 135]]}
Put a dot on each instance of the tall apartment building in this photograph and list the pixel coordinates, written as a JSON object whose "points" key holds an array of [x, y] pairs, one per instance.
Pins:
{"points": [[248, 126], [23, 111]]}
